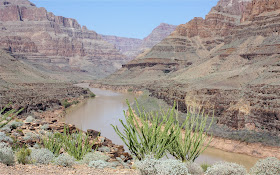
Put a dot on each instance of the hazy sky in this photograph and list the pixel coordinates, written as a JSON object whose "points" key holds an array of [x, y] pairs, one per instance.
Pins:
{"points": [[128, 18]]}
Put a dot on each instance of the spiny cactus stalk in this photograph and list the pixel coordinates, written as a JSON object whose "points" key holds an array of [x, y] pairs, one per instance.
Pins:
{"points": [[8, 116], [188, 145], [156, 134], [150, 133]]}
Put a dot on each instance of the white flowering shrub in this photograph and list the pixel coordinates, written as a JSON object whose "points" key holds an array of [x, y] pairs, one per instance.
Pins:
{"points": [[64, 160], [41, 156], [5, 138], [194, 168], [7, 155], [100, 164], [226, 168], [268, 166], [94, 156], [151, 166]]}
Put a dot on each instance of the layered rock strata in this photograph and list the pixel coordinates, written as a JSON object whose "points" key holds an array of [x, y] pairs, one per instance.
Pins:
{"points": [[131, 47], [228, 62], [54, 43]]}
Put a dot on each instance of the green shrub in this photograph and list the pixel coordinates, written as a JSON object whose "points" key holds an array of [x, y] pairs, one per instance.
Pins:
{"points": [[189, 145], [152, 166], [7, 156], [66, 104], [268, 166], [100, 164], [147, 137], [41, 156], [226, 168], [76, 144], [94, 156], [64, 160], [194, 168], [23, 156], [205, 166], [53, 142], [92, 95], [129, 90]]}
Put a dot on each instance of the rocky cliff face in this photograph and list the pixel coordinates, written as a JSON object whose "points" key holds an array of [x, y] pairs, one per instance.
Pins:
{"points": [[131, 47], [228, 62], [55, 43]]}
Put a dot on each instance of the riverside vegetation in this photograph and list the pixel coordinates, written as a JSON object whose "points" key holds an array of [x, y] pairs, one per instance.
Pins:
{"points": [[147, 138], [151, 135]]}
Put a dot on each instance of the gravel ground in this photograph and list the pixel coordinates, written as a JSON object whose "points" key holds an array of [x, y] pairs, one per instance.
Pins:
{"points": [[56, 170]]}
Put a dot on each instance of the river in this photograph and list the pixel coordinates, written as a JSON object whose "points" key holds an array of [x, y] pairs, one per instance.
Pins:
{"points": [[107, 108]]}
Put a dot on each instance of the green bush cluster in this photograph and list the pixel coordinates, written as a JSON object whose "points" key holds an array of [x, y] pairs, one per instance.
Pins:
{"points": [[23, 156], [67, 104], [92, 95], [75, 144], [161, 133]]}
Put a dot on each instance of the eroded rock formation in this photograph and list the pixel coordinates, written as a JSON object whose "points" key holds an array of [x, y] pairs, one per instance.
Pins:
{"points": [[55, 43], [131, 47], [228, 62]]}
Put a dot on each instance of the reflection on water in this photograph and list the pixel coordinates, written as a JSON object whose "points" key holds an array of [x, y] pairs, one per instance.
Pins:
{"points": [[107, 108]]}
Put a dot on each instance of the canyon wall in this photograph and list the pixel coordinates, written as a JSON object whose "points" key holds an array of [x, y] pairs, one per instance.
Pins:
{"points": [[131, 47], [228, 63], [55, 44]]}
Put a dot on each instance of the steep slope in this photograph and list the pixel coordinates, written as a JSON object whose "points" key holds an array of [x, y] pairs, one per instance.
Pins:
{"points": [[228, 62], [131, 47], [27, 87], [57, 45]]}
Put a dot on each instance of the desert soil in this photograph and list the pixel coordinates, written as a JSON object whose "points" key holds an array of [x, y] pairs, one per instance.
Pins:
{"points": [[57, 170]]}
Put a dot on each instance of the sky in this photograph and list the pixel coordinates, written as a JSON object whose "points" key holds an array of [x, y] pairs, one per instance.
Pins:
{"points": [[127, 18]]}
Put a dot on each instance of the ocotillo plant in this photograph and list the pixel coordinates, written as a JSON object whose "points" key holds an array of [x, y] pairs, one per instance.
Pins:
{"points": [[149, 133], [188, 145], [8, 116], [157, 134]]}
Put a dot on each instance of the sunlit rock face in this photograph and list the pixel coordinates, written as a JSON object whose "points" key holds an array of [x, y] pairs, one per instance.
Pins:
{"points": [[227, 62], [54, 42]]}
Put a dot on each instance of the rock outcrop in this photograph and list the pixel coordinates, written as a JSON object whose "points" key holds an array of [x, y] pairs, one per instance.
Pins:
{"points": [[228, 62], [56, 44], [131, 47]]}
